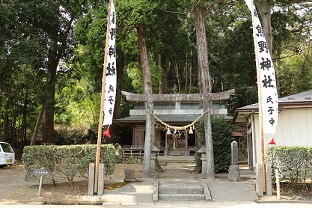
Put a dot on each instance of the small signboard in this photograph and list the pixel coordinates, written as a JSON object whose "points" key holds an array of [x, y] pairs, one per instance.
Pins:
{"points": [[41, 172]]}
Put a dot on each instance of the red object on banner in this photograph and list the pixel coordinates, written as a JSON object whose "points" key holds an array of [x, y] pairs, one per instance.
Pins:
{"points": [[272, 142], [107, 133]]}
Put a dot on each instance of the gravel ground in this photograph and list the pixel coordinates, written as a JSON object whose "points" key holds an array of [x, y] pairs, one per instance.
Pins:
{"points": [[14, 188]]}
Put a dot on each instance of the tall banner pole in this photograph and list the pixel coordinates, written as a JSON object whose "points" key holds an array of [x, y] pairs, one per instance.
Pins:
{"points": [[266, 81], [261, 135], [103, 95]]}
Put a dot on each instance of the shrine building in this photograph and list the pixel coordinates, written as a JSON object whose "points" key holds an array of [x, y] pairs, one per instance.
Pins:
{"points": [[170, 142]]}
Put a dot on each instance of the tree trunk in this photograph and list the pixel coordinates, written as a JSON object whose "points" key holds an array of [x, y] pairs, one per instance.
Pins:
{"points": [[149, 126], [205, 84], [6, 128], [265, 15], [120, 66], [277, 68], [39, 119], [186, 75], [48, 121], [162, 62], [24, 119], [177, 74], [191, 77], [147, 83]]}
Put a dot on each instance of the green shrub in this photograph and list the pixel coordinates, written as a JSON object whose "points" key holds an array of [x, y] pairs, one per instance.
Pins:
{"points": [[68, 161], [222, 137], [292, 162]]}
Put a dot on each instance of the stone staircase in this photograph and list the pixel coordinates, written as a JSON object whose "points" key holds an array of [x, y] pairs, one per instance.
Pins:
{"points": [[181, 191], [179, 181]]}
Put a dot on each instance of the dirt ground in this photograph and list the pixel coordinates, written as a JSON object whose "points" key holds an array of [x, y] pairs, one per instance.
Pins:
{"points": [[14, 188], [301, 191]]}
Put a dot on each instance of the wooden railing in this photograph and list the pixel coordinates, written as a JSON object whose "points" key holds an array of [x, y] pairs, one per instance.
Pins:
{"points": [[133, 150], [138, 150]]}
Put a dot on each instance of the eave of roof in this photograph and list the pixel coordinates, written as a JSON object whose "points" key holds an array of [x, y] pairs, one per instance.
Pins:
{"points": [[164, 118], [171, 119], [300, 100]]}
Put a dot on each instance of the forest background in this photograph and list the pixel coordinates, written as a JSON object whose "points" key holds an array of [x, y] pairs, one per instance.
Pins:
{"points": [[51, 58]]}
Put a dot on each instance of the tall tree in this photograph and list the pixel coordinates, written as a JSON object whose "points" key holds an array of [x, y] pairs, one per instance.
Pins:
{"points": [[266, 12], [205, 81], [47, 24]]}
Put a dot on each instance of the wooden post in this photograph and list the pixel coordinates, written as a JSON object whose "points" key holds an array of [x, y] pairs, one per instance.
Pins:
{"points": [[40, 186], [102, 108]]}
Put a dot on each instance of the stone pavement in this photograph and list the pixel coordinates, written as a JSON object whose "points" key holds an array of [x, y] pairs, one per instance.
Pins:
{"points": [[141, 192]]}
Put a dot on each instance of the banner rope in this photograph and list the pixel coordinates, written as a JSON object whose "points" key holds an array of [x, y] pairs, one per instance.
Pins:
{"points": [[178, 127]]}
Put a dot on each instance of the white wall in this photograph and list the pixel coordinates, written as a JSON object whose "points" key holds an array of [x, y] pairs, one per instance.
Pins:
{"points": [[294, 128]]}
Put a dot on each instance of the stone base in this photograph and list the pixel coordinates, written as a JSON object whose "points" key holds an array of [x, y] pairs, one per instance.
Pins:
{"points": [[129, 180], [234, 174]]}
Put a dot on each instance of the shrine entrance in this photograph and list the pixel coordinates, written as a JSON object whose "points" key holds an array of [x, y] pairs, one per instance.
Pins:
{"points": [[174, 143], [150, 114], [179, 144]]}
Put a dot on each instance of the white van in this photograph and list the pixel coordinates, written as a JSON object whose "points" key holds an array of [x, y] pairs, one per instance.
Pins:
{"points": [[7, 155]]}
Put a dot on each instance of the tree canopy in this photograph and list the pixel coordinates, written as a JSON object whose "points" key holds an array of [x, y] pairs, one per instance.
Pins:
{"points": [[51, 55]]}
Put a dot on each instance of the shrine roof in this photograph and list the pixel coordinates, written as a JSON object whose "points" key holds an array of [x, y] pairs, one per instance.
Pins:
{"points": [[172, 105], [300, 100], [167, 113], [165, 118]]}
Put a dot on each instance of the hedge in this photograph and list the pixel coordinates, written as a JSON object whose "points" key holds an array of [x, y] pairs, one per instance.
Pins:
{"points": [[68, 161], [293, 162]]}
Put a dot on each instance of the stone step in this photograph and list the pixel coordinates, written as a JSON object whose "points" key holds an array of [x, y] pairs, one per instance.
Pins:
{"points": [[181, 197], [180, 188], [188, 190], [175, 159]]}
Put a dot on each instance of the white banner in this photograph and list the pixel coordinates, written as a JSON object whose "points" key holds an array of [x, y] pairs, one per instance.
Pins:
{"points": [[111, 71], [265, 70]]}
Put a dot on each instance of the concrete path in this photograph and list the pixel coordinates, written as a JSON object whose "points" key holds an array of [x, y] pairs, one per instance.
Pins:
{"points": [[141, 192], [221, 189], [224, 190]]}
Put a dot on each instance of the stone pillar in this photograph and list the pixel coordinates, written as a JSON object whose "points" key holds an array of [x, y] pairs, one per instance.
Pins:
{"points": [[234, 174], [101, 180], [129, 174], [203, 159], [268, 180], [91, 179], [154, 153], [259, 180]]}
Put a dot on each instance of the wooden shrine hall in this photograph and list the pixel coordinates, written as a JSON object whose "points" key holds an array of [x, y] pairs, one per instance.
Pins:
{"points": [[174, 143]]}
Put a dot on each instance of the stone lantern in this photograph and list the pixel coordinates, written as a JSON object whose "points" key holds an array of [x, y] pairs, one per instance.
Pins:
{"points": [[203, 158], [154, 154]]}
